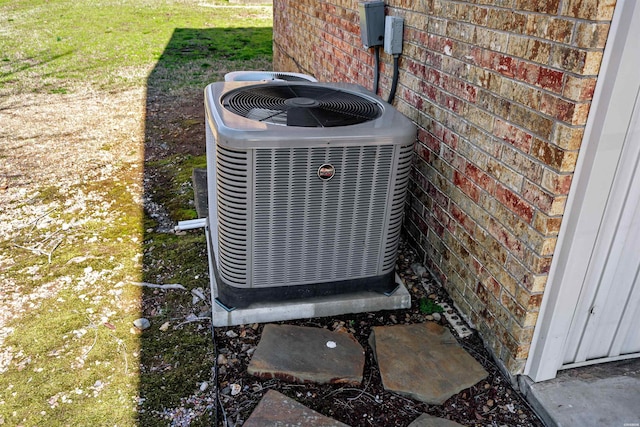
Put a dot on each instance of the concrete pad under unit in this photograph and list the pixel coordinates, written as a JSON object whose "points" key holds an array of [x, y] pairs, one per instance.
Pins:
{"points": [[334, 305]]}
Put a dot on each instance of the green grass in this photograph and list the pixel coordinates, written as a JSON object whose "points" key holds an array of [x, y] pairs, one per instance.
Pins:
{"points": [[50, 46], [75, 359]]}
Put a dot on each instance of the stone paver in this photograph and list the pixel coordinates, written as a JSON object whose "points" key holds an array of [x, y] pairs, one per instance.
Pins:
{"points": [[423, 361], [277, 410], [303, 354], [426, 420]]}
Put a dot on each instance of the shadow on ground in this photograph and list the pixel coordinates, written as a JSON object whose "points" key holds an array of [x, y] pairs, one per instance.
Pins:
{"points": [[177, 356]]}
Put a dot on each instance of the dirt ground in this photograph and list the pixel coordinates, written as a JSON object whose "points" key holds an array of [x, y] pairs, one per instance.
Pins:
{"points": [[61, 142]]}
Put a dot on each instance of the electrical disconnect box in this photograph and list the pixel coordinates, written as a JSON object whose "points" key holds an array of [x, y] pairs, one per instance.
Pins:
{"points": [[372, 23], [393, 35]]}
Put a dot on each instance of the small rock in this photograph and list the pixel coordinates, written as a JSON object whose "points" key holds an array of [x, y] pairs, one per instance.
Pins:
{"points": [[222, 359], [418, 269], [231, 334], [198, 295], [341, 329], [235, 389], [204, 386], [165, 326], [436, 316], [428, 317], [142, 323]]}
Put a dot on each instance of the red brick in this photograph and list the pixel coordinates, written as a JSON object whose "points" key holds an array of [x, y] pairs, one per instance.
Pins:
{"points": [[514, 202], [541, 6], [549, 28], [556, 183], [463, 219], [450, 102], [549, 154], [438, 196], [494, 104], [502, 235], [506, 20], [479, 177], [449, 138], [528, 72], [422, 152], [466, 186], [512, 135], [546, 225], [550, 79], [514, 308], [505, 65], [414, 99], [537, 196], [441, 216], [591, 34], [418, 221], [434, 225], [557, 107], [588, 9]]}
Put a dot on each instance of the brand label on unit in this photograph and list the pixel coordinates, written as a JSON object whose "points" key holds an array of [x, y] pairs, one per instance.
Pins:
{"points": [[326, 172]]}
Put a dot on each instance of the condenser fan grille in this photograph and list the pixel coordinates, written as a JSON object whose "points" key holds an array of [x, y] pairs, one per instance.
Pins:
{"points": [[301, 105]]}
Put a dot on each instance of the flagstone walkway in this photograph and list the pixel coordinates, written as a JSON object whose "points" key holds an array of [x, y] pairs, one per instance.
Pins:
{"points": [[421, 361]]}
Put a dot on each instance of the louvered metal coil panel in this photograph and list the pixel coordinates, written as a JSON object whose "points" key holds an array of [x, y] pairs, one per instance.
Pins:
{"points": [[396, 207], [232, 181], [306, 230]]}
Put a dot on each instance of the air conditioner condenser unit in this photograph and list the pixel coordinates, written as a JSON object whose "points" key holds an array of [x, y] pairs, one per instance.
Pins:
{"points": [[307, 184]]}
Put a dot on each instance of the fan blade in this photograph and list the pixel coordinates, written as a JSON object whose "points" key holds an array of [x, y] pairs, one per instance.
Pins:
{"points": [[302, 117], [331, 118]]}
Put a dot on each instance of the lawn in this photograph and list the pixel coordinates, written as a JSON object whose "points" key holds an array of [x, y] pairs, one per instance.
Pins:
{"points": [[101, 123]]}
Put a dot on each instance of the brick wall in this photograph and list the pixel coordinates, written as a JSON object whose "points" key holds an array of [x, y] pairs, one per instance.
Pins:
{"points": [[500, 90]]}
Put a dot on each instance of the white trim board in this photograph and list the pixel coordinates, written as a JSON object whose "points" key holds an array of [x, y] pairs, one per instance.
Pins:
{"points": [[609, 117]]}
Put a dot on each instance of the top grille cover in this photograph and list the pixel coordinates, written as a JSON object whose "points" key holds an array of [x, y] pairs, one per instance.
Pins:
{"points": [[258, 76], [301, 105], [296, 204]]}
